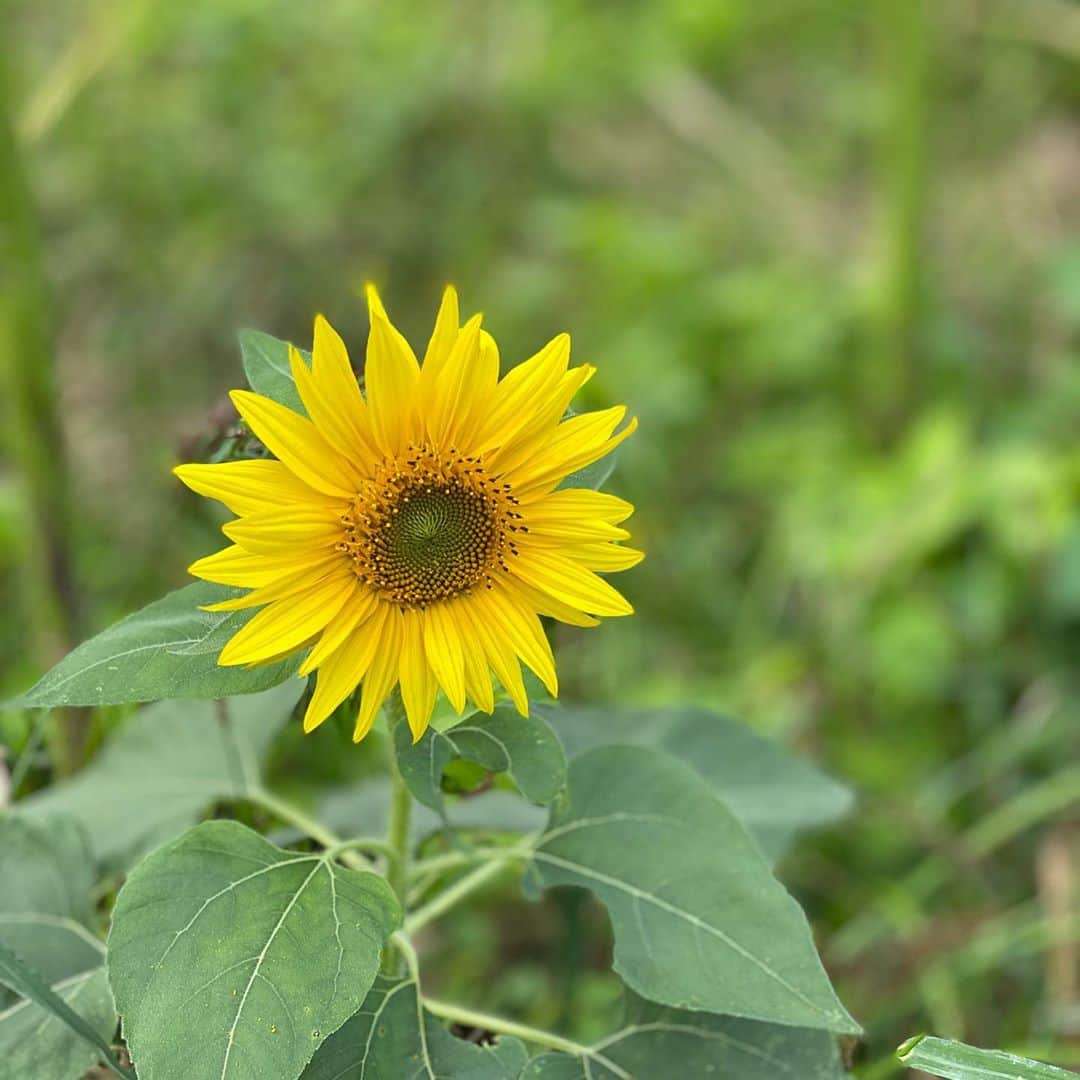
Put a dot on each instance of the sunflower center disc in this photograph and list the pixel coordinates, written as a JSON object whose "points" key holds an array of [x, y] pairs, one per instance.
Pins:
{"points": [[429, 529]]}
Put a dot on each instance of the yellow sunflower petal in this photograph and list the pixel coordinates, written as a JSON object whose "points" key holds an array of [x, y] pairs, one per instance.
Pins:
{"points": [[283, 587], [391, 374], [501, 657], [568, 581], [286, 624], [544, 604], [383, 672], [301, 529], [443, 336], [297, 443], [463, 388], [442, 644], [341, 672], [523, 632], [248, 486], [608, 558], [418, 683], [477, 675], [574, 504], [331, 368], [244, 569], [359, 607], [331, 412]]}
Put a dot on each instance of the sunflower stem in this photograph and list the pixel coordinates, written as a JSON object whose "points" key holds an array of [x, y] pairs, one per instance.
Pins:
{"points": [[454, 894], [397, 834]]}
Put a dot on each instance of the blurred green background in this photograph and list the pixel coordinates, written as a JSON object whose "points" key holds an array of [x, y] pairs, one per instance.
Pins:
{"points": [[826, 250]]}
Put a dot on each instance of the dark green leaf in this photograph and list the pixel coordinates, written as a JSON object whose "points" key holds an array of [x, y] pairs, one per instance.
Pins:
{"points": [[47, 875], [169, 649], [230, 957], [162, 769], [699, 920], [266, 365], [384, 1041], [27, 983], [652, 1038], [957, 1061], [34, 1042], [524, 747], [773, 793]]}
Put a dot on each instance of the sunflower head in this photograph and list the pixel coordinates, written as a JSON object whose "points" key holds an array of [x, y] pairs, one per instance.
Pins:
{"points": [[414, 534]]}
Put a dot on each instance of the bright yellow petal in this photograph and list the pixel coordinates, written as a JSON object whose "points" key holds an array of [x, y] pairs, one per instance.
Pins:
{"points": [[332, 413], [500, 657], [517, 394], [543, 604], [383, 673], [283, 587], [522, 631], [341, 672], [463, 391], [246, 487], [442, 644], [574, 504], [443, 336], [300, 531], [358, 608], [331, 367], [243, 569], [418, 684], [287, 624], [608, 558], [390, 376], [477, 675], [568, 581], [578, 442], [297, 443]]}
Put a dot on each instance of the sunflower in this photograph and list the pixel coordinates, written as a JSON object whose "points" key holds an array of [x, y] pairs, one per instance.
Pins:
{"points": [[415, 533]]}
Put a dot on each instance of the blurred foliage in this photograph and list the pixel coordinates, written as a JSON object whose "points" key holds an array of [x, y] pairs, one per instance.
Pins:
{"points": [[827, 251]]}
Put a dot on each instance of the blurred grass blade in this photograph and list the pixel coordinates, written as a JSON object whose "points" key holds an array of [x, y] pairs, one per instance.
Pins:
{"points": [[958, 1061], [26, 982]]}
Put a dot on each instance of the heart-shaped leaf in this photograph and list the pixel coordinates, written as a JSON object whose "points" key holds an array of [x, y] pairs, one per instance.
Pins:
{"points": [[266, 365]]}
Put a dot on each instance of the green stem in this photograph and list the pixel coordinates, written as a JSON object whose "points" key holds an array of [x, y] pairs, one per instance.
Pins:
{"points": [[454, 894], [451, 860], [397, 833], [486, 1022]]}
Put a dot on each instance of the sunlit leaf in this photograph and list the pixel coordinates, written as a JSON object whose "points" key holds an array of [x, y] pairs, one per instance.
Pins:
{"points": [[169, 649], [384, 1041], [161, 770], [524, 747], [266, 366], [230, 957], [699, 920]]}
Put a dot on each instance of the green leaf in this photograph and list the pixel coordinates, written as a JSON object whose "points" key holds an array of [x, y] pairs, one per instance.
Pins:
{"points": [[652, 1038], [266, 365], [524, 747], [47, 875], [35, 1042], [161, 770], [958, 1061], [384, 1041], [230, 957], [699, 920], [773, 793], [15, 974], [169, 649]]}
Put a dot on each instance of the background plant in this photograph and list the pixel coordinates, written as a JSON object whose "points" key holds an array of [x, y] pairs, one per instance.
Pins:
{"points": [[848, 234]]}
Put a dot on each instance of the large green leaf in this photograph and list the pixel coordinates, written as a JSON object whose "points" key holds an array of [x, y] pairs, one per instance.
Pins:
{"points": [[36, 1043], [958, 1061], [773, 793], [47, 875], [27, 983], [384, 1041], [699, 920], [169, 649], [230, 957], [266, 365], [653, 1038], [524, 747], [164, 767]]}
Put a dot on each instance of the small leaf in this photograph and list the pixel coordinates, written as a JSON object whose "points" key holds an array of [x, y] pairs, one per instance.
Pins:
{"points": [[161, 770], [651, 1038], [15, 974], [524, 747], [958, 1061], [230, 957], [383, 1041], [266, 365], [699, 920], [45, 910], [35, 1042], [169, 649], [773, 793]]}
